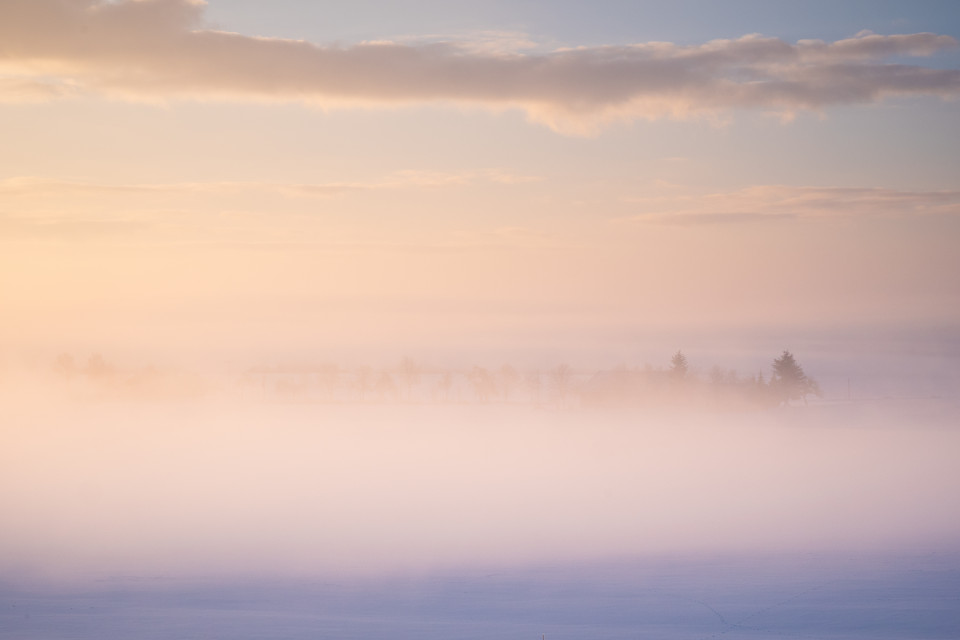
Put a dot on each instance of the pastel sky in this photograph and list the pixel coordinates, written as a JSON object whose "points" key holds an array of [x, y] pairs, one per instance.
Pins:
{"points": [[242, 175]]}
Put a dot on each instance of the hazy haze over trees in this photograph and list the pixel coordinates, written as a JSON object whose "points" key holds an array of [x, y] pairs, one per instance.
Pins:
{"points": [[677, 384]]}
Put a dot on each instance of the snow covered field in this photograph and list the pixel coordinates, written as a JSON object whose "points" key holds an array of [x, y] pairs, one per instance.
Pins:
{"points": [[815, 596]]}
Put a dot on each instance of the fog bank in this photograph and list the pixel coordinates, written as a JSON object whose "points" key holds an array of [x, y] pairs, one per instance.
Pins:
{"points": [[246, 488]]}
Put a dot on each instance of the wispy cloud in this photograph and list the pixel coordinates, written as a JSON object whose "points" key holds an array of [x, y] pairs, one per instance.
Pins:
{"points": [[778, 202], [160, 50], [484, 42], [32, 187], [16, 228], [222, 211], [15, 88]]}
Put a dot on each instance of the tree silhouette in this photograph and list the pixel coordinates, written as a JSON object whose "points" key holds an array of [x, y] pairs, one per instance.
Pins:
{"points": [[789, 382], [328, 376], [507, 377], [97, 367], [444, 384], [409, 374], [363, 382], [561, 381], [65, 365], [533, 384], [385, 387], [482, 382], [678, 366]]}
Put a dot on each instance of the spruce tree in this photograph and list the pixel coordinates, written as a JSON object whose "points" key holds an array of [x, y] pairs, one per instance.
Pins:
{"points": [[678, 366], [789, 382]]}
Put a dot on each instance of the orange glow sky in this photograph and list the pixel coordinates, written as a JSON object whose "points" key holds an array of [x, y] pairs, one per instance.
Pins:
{"points": [[170, 179]]}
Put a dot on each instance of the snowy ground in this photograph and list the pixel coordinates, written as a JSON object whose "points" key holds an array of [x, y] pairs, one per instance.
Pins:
{"points": [[802, 596]]}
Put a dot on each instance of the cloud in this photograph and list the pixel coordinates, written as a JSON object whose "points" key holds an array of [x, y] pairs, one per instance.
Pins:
{"points": [[778, 202], [702, 219], [484, 42], [36, 207], [19, 89], [162, 50], [33, 187], [15, 228]]}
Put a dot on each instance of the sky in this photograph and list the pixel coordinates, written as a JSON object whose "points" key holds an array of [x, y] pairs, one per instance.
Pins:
{"points": [[418, 177]]}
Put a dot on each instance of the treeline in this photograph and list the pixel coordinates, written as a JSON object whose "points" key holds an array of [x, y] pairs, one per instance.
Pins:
{"points": [[559, 386], [97, 377], [411, 382]]}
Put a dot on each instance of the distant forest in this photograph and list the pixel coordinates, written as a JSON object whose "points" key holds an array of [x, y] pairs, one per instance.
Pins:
{"points": [[411, 382]]}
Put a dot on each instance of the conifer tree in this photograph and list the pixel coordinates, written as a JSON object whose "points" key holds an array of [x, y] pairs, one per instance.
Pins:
{"points": [[678, 365], [789, 382]]}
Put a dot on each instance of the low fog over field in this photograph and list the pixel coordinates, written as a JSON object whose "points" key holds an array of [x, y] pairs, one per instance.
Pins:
{"points": [[238, 516], [234, 486]]}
